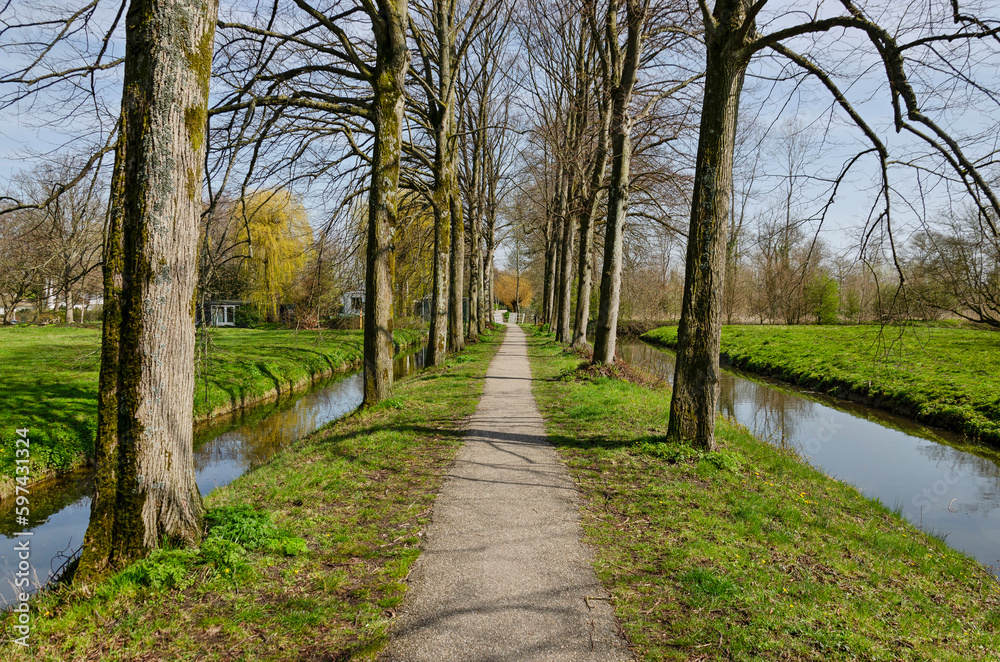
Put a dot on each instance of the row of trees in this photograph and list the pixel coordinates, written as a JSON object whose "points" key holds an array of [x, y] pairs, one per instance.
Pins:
{"points": [[406, 109], [926, 61]]}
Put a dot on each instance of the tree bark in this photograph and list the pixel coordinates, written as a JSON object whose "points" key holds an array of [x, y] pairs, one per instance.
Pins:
{"points": [[146, 490], [563, 329], [475, 269], [585, 264], [606, 339], [625, 68], [437, 344], [391, 63], [696, 376], [456, 325]]}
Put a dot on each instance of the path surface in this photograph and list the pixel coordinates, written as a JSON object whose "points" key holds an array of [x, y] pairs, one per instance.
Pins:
{"points": [[504, 575]]}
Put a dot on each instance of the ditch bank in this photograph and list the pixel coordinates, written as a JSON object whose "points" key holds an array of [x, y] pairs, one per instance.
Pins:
{"points": [[939, 403], [803, 566], [244, 368]]}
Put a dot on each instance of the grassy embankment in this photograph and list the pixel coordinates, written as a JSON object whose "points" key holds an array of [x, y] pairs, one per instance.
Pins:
{"points": [[48, 382], [945, 377], [749, 553], [307, 554]]}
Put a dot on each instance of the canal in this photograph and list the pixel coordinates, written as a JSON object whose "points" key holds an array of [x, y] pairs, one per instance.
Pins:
{"points": [[225, 448], [940, 481]]}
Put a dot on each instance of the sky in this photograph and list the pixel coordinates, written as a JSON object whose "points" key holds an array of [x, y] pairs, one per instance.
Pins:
{"points": [[765, 106]]}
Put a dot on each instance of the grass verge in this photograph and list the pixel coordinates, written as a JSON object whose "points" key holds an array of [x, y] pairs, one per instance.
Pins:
{"points": [[305, 557], [748, 553], [48, 382], [946, 377]]}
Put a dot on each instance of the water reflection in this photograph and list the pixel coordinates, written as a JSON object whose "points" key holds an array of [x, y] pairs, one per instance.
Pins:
{"points": [[941, 481], [224, 449]]}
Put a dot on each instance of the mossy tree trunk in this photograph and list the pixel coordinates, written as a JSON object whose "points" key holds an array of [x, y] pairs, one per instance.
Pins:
{"points": [[696, 376], [146, 490], [392, 60]]}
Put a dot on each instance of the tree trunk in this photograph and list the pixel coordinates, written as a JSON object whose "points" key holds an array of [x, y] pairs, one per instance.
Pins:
{"points": [[437, 343], [146, 490], [391, 64], [585, 265], [621, 155], [554, 290], [696, 376], [563, 329], [606, 339], [488, 262], [69, 305], [456, 324], [475, 273], [548, 289]]}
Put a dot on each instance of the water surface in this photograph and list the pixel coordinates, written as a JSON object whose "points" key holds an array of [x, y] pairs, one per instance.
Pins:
{"points": [[224, 448], [940, 480]]}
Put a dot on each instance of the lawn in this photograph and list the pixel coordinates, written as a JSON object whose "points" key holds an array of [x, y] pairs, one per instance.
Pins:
{"points": [[748, 553], [946, 377], [48, 381], [306, 555]]}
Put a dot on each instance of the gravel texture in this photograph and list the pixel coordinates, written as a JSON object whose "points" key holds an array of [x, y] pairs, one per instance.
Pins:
{"points": [[504, 574]]}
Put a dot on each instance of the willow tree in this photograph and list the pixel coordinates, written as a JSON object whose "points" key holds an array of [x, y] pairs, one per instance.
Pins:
{"points": [[145, 490], [932, 53], [278, 237]]}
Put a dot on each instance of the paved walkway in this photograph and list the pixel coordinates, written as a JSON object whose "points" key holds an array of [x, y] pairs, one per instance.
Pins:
{"points": [[504, 575]]}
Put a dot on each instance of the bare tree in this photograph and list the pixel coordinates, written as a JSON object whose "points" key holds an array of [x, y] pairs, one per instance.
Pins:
{"points": [[622, 67], [939, 46], [299, 95], [145, 489], [957, 269]]}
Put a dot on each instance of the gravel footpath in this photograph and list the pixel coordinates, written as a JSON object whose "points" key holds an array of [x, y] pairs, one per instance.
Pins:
{"points": [[504, 574]]}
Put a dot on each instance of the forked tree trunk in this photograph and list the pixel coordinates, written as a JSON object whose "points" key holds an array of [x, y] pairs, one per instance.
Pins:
{"points": [[145, 490], [696, 376], [625, 68], [392, 62]]}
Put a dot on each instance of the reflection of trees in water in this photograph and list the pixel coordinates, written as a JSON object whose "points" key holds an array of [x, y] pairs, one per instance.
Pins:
{"points": [[255, 442], [46, 500], [773, 415], [654, 361], [255, 435], [770, 413], [407, 364], [783, 418], [973, 469]]}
